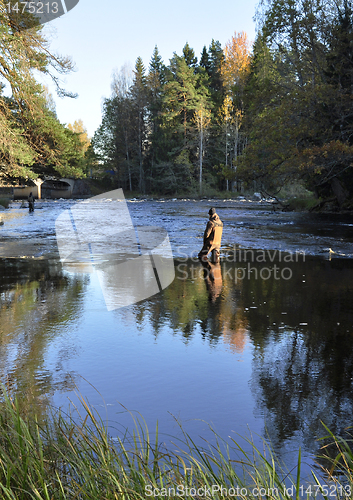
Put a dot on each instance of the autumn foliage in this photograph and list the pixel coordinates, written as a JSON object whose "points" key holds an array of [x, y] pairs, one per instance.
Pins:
{"points": [[298, 98], [236, 67]]}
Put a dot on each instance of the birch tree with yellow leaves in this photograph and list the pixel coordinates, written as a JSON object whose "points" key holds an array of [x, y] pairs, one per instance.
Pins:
{"points": [[202, 120], [78, 128], [235, 71]]}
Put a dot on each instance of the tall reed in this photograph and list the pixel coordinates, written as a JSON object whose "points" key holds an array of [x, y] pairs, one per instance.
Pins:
{"points": [[74, 457]]}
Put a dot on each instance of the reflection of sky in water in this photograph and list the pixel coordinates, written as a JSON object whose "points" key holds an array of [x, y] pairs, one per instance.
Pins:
{"points": [[160, 372], [240, 363]]}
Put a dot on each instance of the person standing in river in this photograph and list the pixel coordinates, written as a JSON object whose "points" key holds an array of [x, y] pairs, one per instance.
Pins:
{"points": [[212, 237], [31, 202]]}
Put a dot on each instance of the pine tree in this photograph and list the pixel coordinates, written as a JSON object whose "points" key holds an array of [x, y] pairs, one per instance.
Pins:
{"points": [[184, 95], [202, 120], [299, 93], [156, 79], [216, 58], [211, 65], [32, 141], [205, 61], [180, 97], [189, 56], [138, 93]]}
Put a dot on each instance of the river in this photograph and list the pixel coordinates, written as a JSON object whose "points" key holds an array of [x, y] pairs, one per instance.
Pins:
{"points": [[259, 346]]}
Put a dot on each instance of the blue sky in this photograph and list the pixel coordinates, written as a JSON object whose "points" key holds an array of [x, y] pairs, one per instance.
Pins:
{"points": [[103, 36]]}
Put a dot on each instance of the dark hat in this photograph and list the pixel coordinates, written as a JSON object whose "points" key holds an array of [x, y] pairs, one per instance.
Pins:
{"points": [[212, 211]]}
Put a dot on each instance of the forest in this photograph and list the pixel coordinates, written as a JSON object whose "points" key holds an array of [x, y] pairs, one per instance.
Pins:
{"points": [[275, 112], [261, 114]]}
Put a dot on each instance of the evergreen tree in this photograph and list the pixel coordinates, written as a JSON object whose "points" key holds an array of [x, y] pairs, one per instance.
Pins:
{"points": [[184, 95], [212, 62], [216, 58], [269, 120], [189, 56], [156, 79], [32, 141], [300, 95], [113, 142], [180, 98], [202, 120], [205, 61], [138, 93]]}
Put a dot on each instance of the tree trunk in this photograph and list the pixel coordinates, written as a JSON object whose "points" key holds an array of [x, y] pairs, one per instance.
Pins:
{"points": [[201, 152], [339, 191], [227, 183]]}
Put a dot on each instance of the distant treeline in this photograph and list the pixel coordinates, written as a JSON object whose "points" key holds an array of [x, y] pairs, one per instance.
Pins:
{"points": [[274, 113], [176, 128]]}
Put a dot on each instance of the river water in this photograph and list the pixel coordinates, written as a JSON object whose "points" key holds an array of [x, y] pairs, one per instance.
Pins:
{"points": [[259, 346]]}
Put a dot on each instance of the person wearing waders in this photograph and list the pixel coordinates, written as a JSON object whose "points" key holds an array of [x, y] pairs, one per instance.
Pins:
{"points": [[31, 202], [212, 237]]}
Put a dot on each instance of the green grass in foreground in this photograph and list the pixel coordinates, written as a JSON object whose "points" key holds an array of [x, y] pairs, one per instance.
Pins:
{"points": [[67, 459]]}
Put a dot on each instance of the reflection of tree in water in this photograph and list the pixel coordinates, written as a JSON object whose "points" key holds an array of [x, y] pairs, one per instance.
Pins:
{"points": [[37, 304], [199, 302], [303, 374]]}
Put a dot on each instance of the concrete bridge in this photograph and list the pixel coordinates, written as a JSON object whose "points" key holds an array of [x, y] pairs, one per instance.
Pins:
{"points": [[51, 188]]}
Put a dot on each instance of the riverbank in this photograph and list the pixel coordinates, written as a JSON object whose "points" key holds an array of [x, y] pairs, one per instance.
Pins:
{"points": [[290, 199], [75, 456]]}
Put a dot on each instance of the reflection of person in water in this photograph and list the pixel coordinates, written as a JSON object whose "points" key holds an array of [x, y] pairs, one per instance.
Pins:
{"points": [[31, 202], [212, 237], [212, 275]]}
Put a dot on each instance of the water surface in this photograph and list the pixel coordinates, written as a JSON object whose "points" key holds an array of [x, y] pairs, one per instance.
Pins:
{"points": [[261, 343]]}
